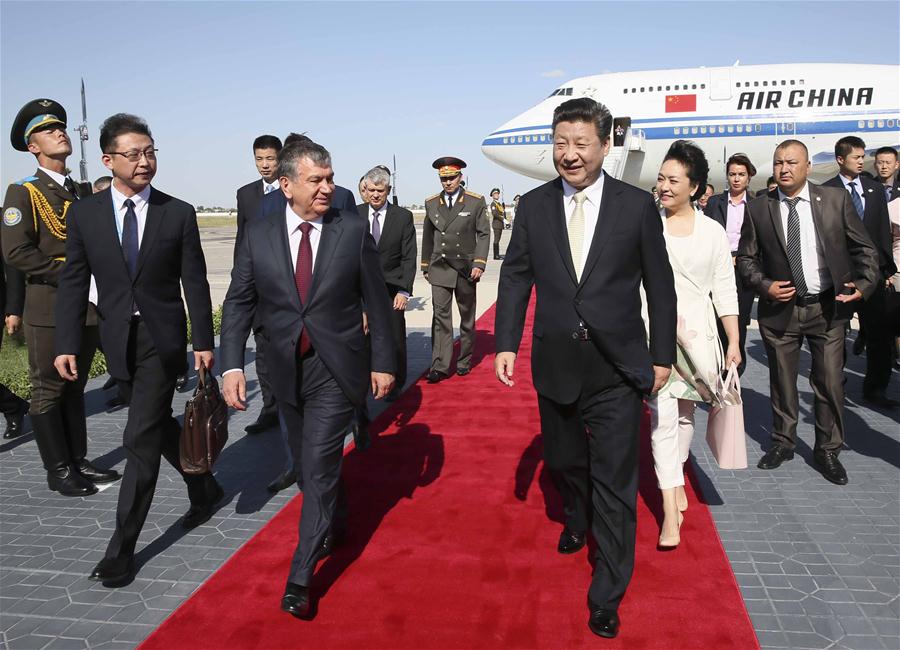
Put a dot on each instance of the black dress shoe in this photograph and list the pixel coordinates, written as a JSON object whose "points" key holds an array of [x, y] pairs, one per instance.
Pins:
{"points": [[264, 422], [199, 514], [361, 438], [604, 622], [878, 398], [14, 421], [180, 382], [117, 403], [283, 482], [774, 457], [113, 570], [295, 600], [69, 482], [95, 474], [571, 542], [827, 462], [434, 376], [462, 372], [332, 541]]}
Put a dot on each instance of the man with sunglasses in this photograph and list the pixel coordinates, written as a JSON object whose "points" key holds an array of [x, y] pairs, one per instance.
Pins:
{"points": [[143, 247], [455, 241], [34, 241]]}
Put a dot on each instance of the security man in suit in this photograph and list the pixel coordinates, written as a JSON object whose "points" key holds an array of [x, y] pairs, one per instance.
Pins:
{"points": [[455, 241], [34, 241], [12, 303], [498, 217]]}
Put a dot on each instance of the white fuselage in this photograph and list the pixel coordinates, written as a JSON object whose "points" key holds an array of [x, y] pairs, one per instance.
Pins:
{"points": [[748, 109]]}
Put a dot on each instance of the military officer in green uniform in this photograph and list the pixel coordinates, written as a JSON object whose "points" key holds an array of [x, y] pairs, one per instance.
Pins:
{"points": [[498, 219], [34, 241], [455, 244]]}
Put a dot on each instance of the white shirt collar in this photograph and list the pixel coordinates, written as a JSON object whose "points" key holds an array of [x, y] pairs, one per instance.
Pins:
{"points": [[743, 199], [381, 210], [275, 185], [846, 181], [140, 199], [294, 220], [804, 194], [593, 192], [454, 195], [59, 178]]}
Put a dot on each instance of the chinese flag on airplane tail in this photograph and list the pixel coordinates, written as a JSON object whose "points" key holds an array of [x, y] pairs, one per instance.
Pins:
{"points": [[681, 103]]}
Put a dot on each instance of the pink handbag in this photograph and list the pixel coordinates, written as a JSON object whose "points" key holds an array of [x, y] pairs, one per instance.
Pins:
{"points": [[725, 427]]}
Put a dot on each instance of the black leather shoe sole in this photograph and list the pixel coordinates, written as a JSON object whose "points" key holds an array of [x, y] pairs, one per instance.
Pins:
{"points": [[200, 515], [435, 377], [571, 543], [604, 623], [836, 476], [96, 475], [297, 602], [113, 574], [72, 487]]}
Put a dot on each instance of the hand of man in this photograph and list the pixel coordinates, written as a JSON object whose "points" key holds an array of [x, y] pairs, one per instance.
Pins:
{"points": [[781, 290], [205, 356], [400, 302], [732, 355], [66, 366], [382, 383], [849, 297], [234, 390], [504, 364], [365, 323], [475, 274], [661, 376], [13, 323]]}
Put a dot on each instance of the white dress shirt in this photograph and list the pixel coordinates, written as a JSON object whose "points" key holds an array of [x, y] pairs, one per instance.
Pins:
{"points": [[270, 187], [815, 271], [591, 208], [140, 210], [859, 188], [454, 196]]}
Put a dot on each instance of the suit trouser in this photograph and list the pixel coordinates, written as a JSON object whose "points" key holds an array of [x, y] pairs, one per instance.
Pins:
{"points": [[398, 332], [10, 403], [671, 432], [873, 318], [591, 449], [316, 428], [826, 346], [497, 227], [442, 324], [49, 390], [745, 309], [150, 432], [262, 376]]}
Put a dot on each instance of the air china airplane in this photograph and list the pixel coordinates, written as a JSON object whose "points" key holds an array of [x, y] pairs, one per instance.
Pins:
{"points": [[726, 110]]}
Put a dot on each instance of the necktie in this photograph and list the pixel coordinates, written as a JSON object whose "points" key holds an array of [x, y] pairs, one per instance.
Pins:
{"points": [[449, 201], [376, 227], [269, 188], [576, 233], [303, 278], [857, 200], [130, 238], [795, 256], [70, 186], [887, 193]]}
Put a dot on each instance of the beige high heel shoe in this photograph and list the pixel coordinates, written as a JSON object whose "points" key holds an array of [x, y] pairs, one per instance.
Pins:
{"points": [[673, 540], [681, 499]]}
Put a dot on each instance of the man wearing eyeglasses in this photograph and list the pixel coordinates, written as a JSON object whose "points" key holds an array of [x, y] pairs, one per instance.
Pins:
{"points": [[143, 247], [34, 239]]}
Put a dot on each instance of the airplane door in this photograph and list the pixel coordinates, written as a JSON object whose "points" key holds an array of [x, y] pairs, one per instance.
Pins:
{"points": [[720, 84], [620, 128]]}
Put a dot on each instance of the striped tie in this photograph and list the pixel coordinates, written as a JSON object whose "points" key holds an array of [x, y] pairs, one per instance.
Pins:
{"points": [[857, 201], [576, 233], [795, 257]]}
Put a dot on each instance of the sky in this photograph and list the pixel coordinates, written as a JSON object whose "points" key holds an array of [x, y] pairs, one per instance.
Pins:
{"points": [[373, 80]]}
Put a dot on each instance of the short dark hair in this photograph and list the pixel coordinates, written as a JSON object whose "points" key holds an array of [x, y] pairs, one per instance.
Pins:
{"points": [[296, 137], [585, 109], [770, 180], [886, 150], [847, 144], [102, 183], [694, 162], [790, 142], [741, 159], [120, 124], [712, 187], [292, 152], [267, 142]]}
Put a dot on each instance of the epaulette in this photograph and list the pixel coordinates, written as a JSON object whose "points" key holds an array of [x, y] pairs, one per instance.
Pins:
{"points": [[472, 194], [433, 196], [27, 179]]}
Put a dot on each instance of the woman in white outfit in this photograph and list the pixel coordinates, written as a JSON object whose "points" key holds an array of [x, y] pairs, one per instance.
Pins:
{"points": [[704, 283]]}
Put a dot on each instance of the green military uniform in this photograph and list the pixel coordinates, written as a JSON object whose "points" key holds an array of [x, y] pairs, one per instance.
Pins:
{"points": [[454, 241], [498, 221], [34, 242]]}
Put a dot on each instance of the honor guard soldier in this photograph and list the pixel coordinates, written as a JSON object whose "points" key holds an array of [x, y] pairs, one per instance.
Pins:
{"points": [[498, 219], [34, 241], [455, 243]]}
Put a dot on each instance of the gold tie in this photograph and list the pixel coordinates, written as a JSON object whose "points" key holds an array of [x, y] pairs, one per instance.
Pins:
{"points": [[576, 233]]}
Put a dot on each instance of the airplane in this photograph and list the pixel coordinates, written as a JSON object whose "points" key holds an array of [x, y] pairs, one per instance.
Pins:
{"points": [[725, 110]]}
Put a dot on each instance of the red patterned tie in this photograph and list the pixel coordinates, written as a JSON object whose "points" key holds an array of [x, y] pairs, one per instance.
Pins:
{"points": [[303, 278]]}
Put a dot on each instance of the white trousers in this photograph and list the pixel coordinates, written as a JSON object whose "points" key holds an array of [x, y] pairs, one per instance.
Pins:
{"points": [[672, 427]]}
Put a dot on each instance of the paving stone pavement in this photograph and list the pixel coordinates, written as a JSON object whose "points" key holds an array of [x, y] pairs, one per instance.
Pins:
{"points": [[817, 564]]}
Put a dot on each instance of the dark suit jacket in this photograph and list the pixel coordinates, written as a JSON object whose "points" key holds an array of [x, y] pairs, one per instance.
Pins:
{"points": [[876, 219], [12, 288], [396, 247], [627, 248], [249, 198], [717, 207], [346, 273], [849, 253], [170, 258]]}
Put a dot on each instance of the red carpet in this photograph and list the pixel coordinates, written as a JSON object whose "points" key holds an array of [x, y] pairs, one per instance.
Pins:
{"points": [[451, 545]]}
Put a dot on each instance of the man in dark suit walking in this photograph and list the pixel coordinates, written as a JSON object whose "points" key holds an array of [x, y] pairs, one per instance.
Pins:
{"points": [[304, 275], [142, 246], [728, 210], [805, 251], [586, 242], [868, 199], [249, 198]]}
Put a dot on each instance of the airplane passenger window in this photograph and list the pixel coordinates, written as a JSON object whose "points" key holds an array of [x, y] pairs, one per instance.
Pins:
{"points": [[755, 84], [758, 128], [626, 91], [702, 129], [740, 128], [861, 124], [871, 124], [520, 139], [782, 82], [694, 130], [668, 87], [634, 90], [677, 130], [702, 86], [730, 128], [527, 138], [765, 83], [890, 124], [642, 89], [721, 129], [568, 91], [659, 88], [802, 82], [505, 140]]}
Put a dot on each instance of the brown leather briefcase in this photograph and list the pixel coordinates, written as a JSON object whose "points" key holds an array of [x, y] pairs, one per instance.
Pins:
{"points": [[205, 429]]}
